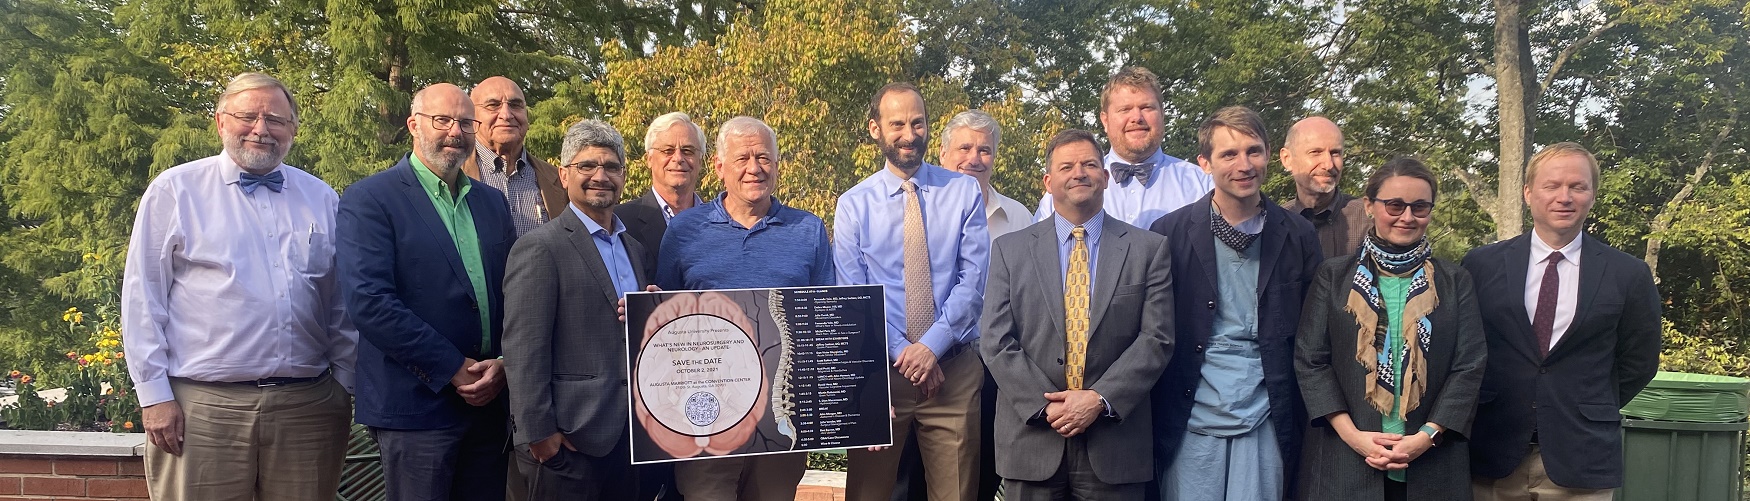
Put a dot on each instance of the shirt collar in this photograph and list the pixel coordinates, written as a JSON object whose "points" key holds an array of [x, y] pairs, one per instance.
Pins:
{"points": [[720, 212], [433, 185], [1092, 227], [667, 213], [993, 204], [592, 227], [488, 159], [1158, 160], [1541, 251], [231, 173], [926, 177]]}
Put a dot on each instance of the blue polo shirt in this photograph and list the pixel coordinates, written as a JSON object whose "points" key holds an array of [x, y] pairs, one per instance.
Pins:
{"points": [[705, 249]]}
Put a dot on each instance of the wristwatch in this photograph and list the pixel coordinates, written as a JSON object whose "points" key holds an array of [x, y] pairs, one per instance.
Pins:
{"points": [[1433, 434]]}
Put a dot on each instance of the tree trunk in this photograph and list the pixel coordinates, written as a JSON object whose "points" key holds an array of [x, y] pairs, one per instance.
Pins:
{"points": [[1516, 99]]}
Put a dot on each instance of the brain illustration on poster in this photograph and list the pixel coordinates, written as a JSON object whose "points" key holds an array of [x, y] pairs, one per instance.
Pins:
{"points": [[756, 371]]}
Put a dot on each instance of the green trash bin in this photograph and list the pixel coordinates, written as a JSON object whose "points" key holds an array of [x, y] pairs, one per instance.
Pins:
{"points": [[1683, 439]]}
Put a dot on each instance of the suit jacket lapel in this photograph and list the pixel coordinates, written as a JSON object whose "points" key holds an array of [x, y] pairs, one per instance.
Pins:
{"points": [[1592, 269], [1518, 257], [1114, 250], [1050, 274], [434, 224], [1273, 237], [581, 241], [1203, 243]]}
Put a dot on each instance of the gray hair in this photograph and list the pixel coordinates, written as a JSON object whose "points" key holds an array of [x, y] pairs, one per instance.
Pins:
{"points": [[667, 121], [975, 120], [743, 126], [592, 133], [249, 81]]}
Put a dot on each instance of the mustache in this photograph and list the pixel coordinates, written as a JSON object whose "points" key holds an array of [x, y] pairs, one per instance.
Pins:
{"points": [[454, 142]]}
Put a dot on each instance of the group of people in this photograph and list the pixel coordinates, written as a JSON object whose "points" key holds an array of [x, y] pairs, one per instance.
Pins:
{"points": [[1156, 329]]}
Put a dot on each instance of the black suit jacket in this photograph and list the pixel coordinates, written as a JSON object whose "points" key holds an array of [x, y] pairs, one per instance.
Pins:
{"points": [[1289, 255], [643, 219], [1571, 399]]}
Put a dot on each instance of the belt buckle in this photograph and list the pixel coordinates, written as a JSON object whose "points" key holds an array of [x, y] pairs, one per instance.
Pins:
{"points": [[267, 383]]}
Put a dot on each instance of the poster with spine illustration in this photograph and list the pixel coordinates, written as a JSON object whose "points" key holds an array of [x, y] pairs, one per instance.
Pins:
{"points": [[742, 372]]}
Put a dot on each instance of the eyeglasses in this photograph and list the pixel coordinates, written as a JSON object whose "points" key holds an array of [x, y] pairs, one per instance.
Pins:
{"points": [[444, 122], [669, 151], [588, 167], [1395, 207], [273, 121], [495, 105]]}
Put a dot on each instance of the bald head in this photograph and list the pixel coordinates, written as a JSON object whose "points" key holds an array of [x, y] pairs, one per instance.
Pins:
{"points": [[503, 113], [443, 127], [1313, 153]]}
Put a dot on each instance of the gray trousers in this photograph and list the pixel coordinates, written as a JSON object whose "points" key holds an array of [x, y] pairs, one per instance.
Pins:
{"points": [[571, 475], [1074, 479]]}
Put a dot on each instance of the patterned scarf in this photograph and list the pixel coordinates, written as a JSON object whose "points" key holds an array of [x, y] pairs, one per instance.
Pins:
{"points": [[1229, 235], [1370, 315]]}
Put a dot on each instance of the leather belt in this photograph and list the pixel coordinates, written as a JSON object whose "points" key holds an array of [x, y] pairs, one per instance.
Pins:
{"points": [[956, 350], [279, 381]]}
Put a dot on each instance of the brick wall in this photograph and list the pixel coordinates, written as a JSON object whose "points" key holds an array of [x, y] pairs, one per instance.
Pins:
{"points": [[44, 478]]}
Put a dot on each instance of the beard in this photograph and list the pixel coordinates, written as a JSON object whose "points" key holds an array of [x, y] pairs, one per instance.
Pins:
{"points": [[898, 158], [448, 162], [250, 157]]}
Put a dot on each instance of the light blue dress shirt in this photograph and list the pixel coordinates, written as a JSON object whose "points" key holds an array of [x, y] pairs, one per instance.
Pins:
{"points": [[1067, 242], [613, 252], [1174, 183], [869, 248]]}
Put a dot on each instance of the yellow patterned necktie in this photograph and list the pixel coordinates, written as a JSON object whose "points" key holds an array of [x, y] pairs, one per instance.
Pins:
{"points": [[1075, 311], [920, 296]]}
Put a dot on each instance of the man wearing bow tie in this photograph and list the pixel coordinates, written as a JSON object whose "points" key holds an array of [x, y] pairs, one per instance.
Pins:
{"points": [[1146, 183], [231, 316]]}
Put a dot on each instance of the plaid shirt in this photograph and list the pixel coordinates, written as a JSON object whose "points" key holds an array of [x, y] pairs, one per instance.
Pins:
{"points": [[520, 189]]}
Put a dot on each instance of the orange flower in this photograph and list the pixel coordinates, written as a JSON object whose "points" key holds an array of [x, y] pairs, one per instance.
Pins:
{"points": [[128, 425], [118, 355], [14, 374], [26, 379], [72, 355]]}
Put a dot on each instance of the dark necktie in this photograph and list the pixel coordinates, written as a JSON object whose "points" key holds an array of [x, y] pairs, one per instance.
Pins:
{"points": [[1126, 171], [1544, 320], [275, 181]]}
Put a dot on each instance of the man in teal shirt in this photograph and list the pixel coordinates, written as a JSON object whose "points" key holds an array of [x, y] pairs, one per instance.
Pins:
{"points": [[421, 250]]}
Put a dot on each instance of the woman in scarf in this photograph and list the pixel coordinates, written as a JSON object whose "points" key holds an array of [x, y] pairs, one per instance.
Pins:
{"points": [[1389, 357]]}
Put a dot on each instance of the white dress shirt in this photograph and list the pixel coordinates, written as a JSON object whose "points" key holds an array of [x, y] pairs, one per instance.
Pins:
{"points": [[1004, 215], [1568, 272], [225, 286], [1173, 183]]}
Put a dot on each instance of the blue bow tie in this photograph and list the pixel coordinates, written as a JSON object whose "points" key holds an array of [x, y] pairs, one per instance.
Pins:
{"points": [[275, 181], [1126, 171]]}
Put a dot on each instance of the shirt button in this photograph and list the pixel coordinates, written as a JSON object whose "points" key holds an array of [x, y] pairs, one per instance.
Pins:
{"points": [[1199, 348], [1212, 305], [1187, 393]]}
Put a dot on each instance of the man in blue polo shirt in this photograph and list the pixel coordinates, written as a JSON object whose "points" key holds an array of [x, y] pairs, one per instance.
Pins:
{"points": [[744, 239]]}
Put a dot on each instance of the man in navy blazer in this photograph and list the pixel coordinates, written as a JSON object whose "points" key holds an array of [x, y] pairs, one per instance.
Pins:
{"points": [[421, 253], [1241, 268], [1573, 330]]}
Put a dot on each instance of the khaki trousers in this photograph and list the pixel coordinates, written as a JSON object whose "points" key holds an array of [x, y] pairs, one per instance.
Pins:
{"points": [[1530, 483], [746, 478], [246, 443], [948, 428]]}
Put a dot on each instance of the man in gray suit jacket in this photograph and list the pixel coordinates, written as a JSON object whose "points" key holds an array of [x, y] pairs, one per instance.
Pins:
{"points": [[1077, 327], [564, 347]]}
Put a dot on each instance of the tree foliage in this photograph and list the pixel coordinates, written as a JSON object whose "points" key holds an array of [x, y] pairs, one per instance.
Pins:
{"points": [[97, 96]]}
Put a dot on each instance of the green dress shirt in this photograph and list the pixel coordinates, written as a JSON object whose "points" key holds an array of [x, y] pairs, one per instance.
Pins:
{"points": [[459, 220]]}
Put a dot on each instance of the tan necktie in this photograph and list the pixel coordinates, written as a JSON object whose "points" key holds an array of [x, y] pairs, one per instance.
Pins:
{"points": [[1075, 311], [920, 297]]}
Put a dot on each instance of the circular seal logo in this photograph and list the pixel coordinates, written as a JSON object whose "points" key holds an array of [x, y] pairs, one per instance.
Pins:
{"points": [[702, 408]]}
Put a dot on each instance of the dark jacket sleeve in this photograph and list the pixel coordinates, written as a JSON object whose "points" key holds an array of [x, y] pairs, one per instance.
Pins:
{"points": [[531, 286], [1456, 405], [1312, 347], [1640, 334], [365, 253]]}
